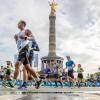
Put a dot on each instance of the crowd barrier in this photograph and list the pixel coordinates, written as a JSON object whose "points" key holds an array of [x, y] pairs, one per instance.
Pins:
{"points": [[87, 84]]}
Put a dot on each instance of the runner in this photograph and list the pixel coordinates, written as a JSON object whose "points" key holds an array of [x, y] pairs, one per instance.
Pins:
{"points": [[56, 74], [23, 46], [91, 79], [33, 46], [94, 79], [70, 65], [88, 78], [60, 75], [1, 73], [47, 72], [7, 75], [80, 74], [64, 75]]}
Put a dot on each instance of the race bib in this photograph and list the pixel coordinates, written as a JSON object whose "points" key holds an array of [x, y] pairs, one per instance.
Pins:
{"points": [[19, 44]]}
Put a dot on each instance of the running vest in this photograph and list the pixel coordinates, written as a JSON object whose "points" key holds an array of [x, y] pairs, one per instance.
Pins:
{"points": [[32, 43], [56, 68], [21, 43], [69, 64], [79, 70]]}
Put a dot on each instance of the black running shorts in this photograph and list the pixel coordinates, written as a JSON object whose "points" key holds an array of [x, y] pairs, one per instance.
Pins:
{"points": [[80, 76], [70, 73], [23, 55]]}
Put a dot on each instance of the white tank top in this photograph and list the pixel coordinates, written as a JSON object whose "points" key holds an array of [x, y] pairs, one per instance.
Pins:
{"points": [[21, 43]]}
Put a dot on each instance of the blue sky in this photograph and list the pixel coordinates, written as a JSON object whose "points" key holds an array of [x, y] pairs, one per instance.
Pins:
{"points": [[77, 28]]}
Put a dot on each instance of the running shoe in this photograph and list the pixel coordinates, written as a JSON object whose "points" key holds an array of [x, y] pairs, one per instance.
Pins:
{"points": [[8, 84], [38, 84], [22, 87]]}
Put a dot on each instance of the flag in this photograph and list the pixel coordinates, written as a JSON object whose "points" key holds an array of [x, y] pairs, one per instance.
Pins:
{"points": [[35, 60]]}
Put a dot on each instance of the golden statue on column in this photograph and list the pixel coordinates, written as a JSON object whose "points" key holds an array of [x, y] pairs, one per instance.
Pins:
{"points": [[53, 5]]}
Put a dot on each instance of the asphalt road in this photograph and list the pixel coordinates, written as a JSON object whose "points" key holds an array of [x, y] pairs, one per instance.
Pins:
{"points": [[50, 93]]}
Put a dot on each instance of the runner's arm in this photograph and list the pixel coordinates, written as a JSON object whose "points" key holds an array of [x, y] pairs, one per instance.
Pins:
{"points": [[73, 64], [16, 37], [23, 37]]}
